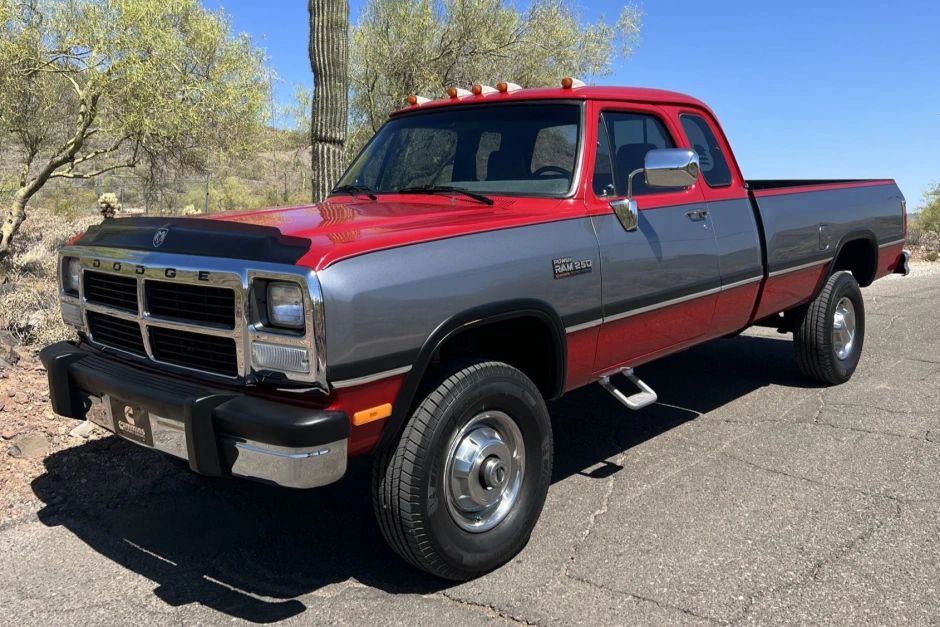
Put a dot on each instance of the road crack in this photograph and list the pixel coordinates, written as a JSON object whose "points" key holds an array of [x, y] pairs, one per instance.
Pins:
{"points": [[640, 597], [489, 610], [813, 574], [816, 482]]}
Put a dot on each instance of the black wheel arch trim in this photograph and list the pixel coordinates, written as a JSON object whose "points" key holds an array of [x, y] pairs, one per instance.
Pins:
{"points": [[852, 236], [464, 321]]}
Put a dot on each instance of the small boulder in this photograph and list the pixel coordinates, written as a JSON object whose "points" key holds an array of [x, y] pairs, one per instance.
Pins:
{"points": [[83, 430], [30, 446]]}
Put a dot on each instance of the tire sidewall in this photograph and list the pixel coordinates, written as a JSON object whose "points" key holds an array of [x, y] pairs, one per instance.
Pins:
{"points": [[846, 287], [474, 553]]}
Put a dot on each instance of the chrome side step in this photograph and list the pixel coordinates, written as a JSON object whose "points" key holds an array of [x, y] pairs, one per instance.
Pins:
{"points": [[645, 397]]}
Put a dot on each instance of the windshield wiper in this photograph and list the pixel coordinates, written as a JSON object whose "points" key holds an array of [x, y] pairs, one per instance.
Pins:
{"points": [[365, 190], [445, 189]]}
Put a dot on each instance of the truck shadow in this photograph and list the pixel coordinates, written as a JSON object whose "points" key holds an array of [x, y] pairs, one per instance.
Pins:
{"points": [[249, 550]]}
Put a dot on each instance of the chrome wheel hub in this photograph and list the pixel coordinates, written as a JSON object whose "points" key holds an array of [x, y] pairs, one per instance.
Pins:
{"points": [[484, 469], [843, 328]]}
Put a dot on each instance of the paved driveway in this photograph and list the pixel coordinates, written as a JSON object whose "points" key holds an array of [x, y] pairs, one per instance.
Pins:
{"points": [[744, 496]]}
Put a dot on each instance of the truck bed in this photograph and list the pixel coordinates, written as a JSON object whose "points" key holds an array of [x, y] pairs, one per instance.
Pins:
{"points": [[805, 222], [764, 184]]}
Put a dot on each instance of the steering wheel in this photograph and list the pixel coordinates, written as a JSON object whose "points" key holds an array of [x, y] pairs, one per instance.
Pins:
{"points": [[552, 169]]}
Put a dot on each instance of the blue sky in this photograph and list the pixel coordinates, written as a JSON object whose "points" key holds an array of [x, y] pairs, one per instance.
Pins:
{"points": [[804, 89]]}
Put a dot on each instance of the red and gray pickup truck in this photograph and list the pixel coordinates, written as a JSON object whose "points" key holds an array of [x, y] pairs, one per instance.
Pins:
{"points": [[485, 252]]}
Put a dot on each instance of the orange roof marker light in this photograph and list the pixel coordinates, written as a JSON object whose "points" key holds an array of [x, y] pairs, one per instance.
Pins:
{"points": [[504, 87], [417, 100], [456, 92], [478, 90], [571, 83]]}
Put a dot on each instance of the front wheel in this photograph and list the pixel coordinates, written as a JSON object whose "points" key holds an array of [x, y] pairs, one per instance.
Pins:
{"points": [[829, 336], [461, 492]]}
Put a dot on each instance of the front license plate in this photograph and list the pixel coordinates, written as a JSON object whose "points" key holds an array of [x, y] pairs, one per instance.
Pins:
{"points": [[131, 422]]}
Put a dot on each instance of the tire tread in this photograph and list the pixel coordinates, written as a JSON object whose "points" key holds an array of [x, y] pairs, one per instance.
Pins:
{"points": [[396, 471]]}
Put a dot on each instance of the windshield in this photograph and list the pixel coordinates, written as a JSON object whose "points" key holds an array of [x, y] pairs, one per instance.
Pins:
{"points": [[526, 149]]}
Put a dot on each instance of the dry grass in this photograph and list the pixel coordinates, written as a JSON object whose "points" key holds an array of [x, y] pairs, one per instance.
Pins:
{"points": [[28, 283]]}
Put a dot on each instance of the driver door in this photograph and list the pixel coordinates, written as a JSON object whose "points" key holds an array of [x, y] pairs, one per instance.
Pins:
{"points": [[660, 282]]}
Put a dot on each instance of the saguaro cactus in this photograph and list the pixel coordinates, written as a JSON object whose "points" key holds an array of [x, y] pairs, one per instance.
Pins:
{"points": [[329, 55]]}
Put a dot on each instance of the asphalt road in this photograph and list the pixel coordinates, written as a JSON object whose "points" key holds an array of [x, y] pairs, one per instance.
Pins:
{"points": [[744, 496]]}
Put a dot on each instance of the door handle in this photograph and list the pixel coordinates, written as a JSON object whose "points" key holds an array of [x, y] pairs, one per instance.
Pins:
{"points": [[697, 214]]}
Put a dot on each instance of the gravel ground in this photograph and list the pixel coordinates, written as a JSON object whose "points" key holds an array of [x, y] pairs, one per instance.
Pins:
{"points": [[744, 496]]}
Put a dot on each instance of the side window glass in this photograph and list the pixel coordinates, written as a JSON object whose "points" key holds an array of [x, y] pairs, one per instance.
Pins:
{"points": [[631, 136], [714, 165], [603, 181]]}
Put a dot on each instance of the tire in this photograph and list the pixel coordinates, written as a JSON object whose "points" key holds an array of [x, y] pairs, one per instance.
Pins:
{"points": [[824, 352], [413, 484]]}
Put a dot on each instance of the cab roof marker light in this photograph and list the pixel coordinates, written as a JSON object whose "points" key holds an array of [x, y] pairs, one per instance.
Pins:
{"points": [[456, 92], [481, 90], [571, 83], [505, 87], [417, 100]]}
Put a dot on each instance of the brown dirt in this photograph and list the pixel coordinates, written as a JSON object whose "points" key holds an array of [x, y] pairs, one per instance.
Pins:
{"points": [[29, 431]]}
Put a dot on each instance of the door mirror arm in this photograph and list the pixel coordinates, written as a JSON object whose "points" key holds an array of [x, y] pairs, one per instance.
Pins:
{"points": [[664, 167], [626, 209]]}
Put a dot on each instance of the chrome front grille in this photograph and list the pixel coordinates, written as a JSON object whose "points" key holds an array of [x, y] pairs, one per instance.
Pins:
{"points": [[111, 290], [187, 312], [191, 303], [193, 350], [117, 333]]}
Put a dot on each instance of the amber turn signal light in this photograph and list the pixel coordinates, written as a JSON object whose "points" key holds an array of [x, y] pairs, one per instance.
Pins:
{"points": [[372, 414]]}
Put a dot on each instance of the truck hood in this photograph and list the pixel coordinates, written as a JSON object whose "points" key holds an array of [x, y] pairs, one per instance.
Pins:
{"points": [[315, 236], [337, 229]]}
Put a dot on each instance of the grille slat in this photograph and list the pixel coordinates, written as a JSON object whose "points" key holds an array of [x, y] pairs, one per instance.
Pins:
{"points": [[111, 290], [184, 302], [116, 333], [193, 303], [193, 350]]}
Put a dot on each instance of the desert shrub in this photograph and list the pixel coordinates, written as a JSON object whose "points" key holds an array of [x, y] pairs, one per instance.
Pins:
{"points": [[237, 195], [69, 203], [28, 283], [915, 235], [108, 204], [932, 256], [928, 218]]}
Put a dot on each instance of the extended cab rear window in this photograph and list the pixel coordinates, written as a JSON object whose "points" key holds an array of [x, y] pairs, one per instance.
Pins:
{"points": [[714, 165], [528, 149]]}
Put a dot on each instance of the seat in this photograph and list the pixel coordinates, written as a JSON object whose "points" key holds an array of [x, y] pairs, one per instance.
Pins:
{"points": [[506, 165], [630, 157]]}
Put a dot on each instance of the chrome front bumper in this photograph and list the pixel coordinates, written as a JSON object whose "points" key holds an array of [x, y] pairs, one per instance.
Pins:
{"points": [[291, 467], [219, 432]]}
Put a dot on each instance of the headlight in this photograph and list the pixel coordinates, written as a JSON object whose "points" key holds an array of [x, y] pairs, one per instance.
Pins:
{"points": [[285, 305], [71, 274]]}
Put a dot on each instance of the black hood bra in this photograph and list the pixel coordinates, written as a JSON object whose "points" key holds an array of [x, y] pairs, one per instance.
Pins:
{"points": [[197, 236]]}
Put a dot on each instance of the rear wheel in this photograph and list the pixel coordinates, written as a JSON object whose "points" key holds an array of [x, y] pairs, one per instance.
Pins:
{"points": [[461, 492], [829, 336]]}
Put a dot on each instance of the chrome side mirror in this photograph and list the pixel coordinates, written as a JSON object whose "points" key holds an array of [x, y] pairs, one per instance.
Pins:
{"points": [[663, 167], [671, 167]]}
